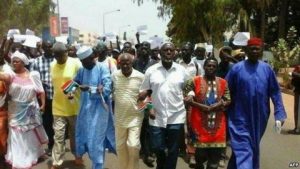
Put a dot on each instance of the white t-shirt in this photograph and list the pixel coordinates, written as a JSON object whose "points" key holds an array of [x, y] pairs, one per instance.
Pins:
{"points": [[200, 65]]}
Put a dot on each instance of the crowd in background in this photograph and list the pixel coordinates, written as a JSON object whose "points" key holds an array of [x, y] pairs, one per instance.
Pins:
{"points": [[137, 102]]}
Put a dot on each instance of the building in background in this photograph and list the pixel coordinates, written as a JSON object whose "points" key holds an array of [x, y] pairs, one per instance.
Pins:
{"points": [[70, 38], [73, 35], [88, 38]]}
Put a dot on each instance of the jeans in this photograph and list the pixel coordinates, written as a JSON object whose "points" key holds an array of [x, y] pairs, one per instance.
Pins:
{"points": [[164, 142]]}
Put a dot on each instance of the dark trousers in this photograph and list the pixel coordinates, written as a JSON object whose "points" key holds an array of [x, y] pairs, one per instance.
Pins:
{"points": [[164, 142], [182, 146], [211, 155], [296, 111], [48, 122], [144, 137]]}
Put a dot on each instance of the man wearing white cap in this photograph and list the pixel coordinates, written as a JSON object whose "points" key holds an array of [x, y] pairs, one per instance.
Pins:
{"points": [[94, 115], [200, 56]]}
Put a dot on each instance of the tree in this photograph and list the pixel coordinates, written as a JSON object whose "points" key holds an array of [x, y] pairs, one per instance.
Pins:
{"points": [[32, 14], [198, 20], [204, 20]]}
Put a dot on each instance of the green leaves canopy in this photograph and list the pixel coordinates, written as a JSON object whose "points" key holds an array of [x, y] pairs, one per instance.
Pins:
{"points": [[206, 20], [198, 20], [31, 14]]}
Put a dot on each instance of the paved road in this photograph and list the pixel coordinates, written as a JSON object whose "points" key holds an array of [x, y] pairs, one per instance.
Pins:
{"points": [[277, 151]]}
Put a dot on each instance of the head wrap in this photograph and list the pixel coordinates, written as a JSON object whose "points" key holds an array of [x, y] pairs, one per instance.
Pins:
{"points": [[255, 42], [20, 56], [84, 52]]}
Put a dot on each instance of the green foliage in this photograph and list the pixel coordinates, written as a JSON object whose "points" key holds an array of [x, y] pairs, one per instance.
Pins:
{"points": [[198, 20], [206, 20], [31, 14], [284, 56], [281, 54]]}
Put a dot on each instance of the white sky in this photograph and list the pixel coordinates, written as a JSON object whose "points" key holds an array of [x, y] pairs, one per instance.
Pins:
{"points": [[86, 15]]}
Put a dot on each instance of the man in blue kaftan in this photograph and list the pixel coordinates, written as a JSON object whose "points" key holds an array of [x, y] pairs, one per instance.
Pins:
{"points": [[94, 120], [252, 83]]}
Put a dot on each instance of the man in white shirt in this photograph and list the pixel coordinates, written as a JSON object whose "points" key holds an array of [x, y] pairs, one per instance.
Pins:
{"points": [[200, 56], [165, 79], [190, 65]]}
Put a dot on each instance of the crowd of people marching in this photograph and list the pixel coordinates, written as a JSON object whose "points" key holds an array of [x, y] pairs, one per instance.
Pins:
{"points": [[137, 102]]}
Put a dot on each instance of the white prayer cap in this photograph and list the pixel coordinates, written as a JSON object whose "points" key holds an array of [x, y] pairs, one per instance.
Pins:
{"points": [[21, 56], [201, 45], [84, 52], [241, 38]]}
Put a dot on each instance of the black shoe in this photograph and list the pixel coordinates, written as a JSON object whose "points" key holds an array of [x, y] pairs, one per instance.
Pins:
{"points": [[182, 154], [192, 163], [148, 162], [294, 131]]}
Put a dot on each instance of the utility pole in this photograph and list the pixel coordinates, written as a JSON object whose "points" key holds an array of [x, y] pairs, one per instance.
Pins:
{"points": [[58, 17]]}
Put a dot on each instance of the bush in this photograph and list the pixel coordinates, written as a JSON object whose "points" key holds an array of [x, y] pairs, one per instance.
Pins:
{"points": [[284, 57]]}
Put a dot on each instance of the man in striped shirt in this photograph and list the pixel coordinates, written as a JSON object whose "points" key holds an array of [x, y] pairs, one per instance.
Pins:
{"points": [[42, 65], [128, 120]]}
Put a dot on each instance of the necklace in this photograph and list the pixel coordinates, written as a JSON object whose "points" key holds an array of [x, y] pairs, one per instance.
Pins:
{"points": [[211, 116], [212, 87]]}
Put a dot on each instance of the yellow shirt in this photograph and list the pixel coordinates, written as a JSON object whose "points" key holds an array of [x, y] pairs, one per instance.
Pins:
{"points": [[60, 73]]}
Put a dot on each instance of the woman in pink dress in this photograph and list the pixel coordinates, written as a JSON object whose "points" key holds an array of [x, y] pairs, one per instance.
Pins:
{"points": [[26, 133]]}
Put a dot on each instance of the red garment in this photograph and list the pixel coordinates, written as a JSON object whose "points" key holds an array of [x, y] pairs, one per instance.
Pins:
{"points": [[3, 132], [202, 135], [3, 122]]}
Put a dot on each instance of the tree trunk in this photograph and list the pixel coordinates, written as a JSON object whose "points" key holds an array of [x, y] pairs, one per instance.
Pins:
{"points": [[283, 8], [262, 23]]}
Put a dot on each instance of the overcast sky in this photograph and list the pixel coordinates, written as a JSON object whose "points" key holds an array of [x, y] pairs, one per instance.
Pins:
{"points": [[86, 15]]}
